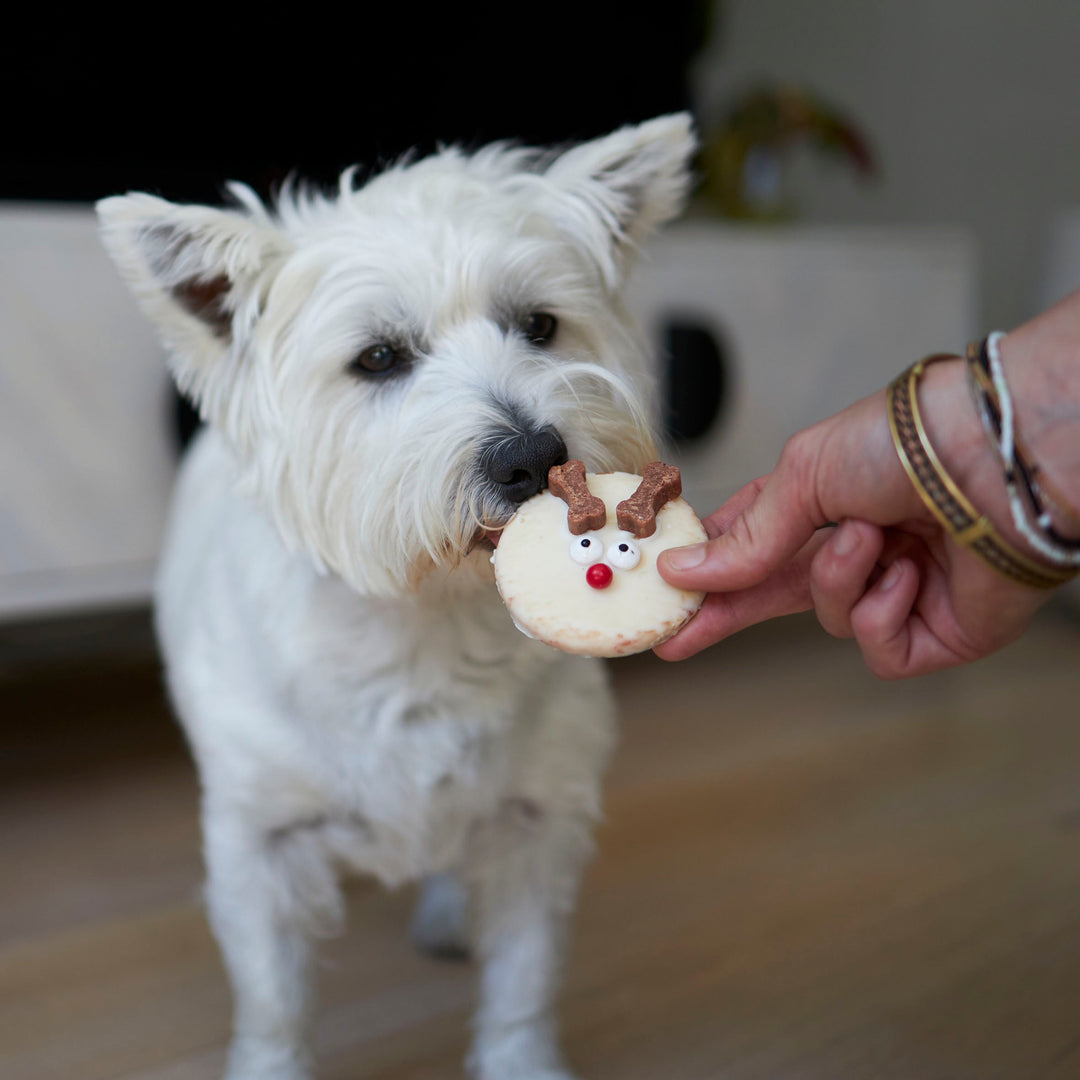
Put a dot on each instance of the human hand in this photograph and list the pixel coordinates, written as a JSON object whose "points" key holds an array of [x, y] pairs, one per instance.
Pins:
{"points": [[887, 574]]}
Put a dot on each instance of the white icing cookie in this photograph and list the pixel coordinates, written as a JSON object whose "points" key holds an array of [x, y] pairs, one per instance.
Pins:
{"points": [[543, 573]]}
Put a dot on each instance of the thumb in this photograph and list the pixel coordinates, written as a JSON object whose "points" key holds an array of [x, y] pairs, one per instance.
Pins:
{"points": [[755, 532]]}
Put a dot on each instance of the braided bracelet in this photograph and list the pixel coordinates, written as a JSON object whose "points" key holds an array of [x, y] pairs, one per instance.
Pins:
{"points": [[1029, 489], [944, 499]]}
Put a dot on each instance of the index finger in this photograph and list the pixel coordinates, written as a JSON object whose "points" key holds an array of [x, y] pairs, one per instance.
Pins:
{"points": [[719, 521]]}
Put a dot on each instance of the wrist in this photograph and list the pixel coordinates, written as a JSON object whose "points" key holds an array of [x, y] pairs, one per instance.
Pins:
{"points": [[968, 454], [1042, 369]]}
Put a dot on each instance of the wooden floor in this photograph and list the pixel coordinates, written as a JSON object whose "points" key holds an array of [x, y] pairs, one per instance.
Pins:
{"points": [[804, 874]]}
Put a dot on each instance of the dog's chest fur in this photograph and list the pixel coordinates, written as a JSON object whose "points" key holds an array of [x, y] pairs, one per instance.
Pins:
{"points": [[421, 718]]}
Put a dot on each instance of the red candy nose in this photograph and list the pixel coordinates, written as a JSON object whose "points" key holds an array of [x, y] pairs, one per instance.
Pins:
{"points": [[599, 575]]}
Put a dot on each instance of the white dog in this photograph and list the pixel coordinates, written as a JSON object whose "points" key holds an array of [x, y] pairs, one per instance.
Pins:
{"points": [[386, 375]]}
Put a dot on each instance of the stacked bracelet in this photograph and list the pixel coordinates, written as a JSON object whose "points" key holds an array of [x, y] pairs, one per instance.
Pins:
{"points": [[938, 491], [1031, 495]]}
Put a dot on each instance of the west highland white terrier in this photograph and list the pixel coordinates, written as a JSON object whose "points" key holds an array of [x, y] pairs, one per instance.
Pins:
{"points": [[386, 374]]}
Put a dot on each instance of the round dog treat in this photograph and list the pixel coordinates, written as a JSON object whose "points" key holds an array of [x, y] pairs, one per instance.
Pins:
{"points": [[595, 590]]}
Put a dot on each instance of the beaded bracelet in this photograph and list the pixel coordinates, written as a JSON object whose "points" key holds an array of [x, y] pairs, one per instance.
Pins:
{"points": [[938, 491]]}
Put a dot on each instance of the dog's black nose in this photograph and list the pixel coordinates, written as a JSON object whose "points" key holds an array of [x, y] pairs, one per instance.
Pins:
{"points": [[518, 465]]}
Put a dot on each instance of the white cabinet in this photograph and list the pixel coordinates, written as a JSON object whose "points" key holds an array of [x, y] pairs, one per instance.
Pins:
{"points": [[86, 457], [809, 319]]}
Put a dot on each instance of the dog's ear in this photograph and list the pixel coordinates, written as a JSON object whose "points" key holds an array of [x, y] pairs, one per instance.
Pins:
{"points": [[198, 272], [629, 183]]}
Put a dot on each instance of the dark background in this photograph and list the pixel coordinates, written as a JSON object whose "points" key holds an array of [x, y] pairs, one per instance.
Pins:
{"points": [[176, 101]]}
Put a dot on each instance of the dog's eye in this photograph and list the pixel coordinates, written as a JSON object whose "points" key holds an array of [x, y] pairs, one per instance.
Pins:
{"points": [[539, 327], [377, 359]]}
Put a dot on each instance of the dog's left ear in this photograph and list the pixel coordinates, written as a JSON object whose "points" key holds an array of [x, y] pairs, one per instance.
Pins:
{"points": [[624, 185]]}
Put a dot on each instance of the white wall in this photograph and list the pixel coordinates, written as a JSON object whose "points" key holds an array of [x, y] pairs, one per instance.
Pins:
{"points": [[973, 106]]}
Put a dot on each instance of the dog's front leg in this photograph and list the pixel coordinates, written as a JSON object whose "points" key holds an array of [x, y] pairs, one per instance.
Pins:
{"points": [[525, 892], [263, 902]]}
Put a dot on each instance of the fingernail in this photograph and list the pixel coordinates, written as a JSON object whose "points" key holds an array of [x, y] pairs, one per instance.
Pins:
{"points": [[889, 578], [845, 542], [686, 558]]}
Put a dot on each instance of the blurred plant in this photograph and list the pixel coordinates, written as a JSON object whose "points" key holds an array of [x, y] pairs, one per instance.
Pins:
{"points": [[744, 163]]}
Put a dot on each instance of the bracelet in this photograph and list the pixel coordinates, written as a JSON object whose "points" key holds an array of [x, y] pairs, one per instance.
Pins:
{"points": [[1030, 492], [943, 498]]}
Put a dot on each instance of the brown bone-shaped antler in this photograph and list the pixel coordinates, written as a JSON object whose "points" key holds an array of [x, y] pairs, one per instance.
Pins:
{"points": [[660, 484], [585, 511]]}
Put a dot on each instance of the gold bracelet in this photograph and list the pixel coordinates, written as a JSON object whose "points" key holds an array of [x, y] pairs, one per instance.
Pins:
{"points": [[944, 499]]}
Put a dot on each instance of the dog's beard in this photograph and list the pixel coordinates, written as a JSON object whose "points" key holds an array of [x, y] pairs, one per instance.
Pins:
{"points": [[420, 502]]}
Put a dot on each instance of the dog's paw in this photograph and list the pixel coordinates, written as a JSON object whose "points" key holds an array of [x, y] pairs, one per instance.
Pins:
{"points": [[525, 1073], [537, 1074], [547, 1074], [267, 1059], [439, 925], [525, 1052]]}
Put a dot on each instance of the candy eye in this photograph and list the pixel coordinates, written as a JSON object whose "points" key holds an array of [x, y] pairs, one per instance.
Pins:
{"points": [[587, 549], [623, 555]]}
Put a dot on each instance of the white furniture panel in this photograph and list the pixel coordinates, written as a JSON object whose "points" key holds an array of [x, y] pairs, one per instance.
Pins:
{"points": [[812, 319], [86, 461]]}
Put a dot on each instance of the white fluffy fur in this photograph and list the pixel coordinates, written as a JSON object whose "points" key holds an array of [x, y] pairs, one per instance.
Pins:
{"points": [[353, 690]]}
